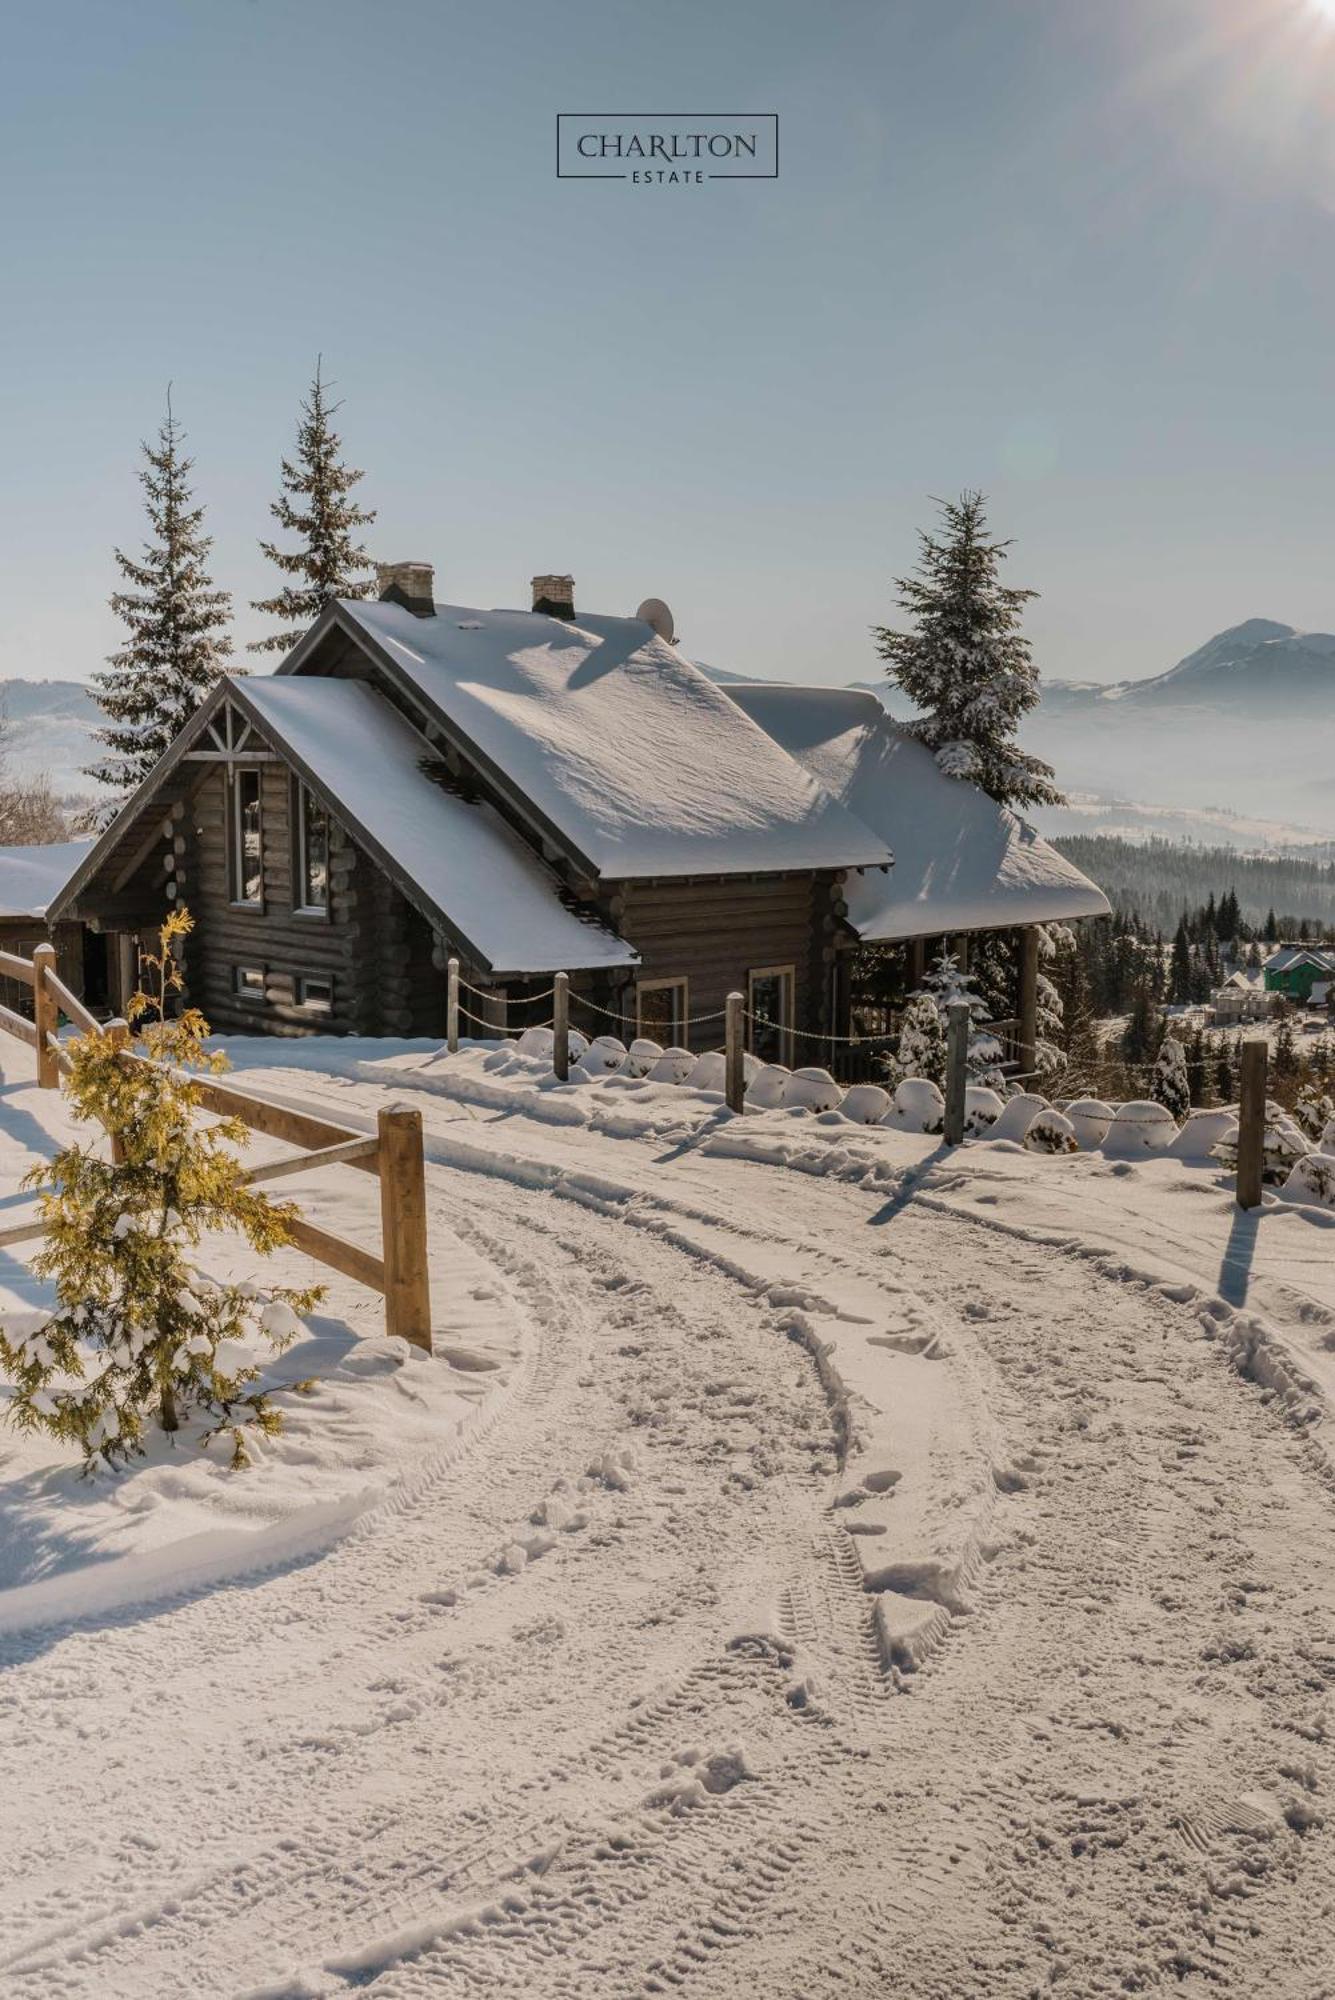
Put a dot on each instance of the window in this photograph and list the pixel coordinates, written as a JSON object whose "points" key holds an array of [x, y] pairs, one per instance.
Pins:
{"points": [[312, 855], [248, 983], [315, 996], [247, 839], [660, 1009], [770, 1002]]}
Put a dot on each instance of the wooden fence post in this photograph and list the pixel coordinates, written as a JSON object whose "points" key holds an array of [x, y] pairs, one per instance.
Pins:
{"points": [[1028, 1003], [734, 1069], [45, 1015], [1251, 1122], [403, 1225], [118, 1034], [957, 1070], [561, 1027], [452, 1005]]}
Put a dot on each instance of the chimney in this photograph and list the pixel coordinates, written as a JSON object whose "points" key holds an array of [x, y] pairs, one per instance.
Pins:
{"points": [[411, 584], [556, 596]]}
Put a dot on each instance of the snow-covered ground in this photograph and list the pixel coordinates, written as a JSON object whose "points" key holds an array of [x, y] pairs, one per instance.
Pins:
{"points": [[814, 1563]]}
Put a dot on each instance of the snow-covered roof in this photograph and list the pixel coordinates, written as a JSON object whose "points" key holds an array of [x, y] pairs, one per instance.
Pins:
{"points": [[1290, 955], [470, 867], [1320, 994], [962, 862], [609, 739], [31, 877]]}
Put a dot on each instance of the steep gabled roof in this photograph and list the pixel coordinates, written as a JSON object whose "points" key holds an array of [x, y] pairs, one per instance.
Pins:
{"points": [[455, 859], [1290, 955], [608, 740], [962, 862]]}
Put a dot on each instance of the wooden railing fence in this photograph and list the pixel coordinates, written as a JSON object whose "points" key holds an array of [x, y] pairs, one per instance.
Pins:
{"points": [[393, 1154]]}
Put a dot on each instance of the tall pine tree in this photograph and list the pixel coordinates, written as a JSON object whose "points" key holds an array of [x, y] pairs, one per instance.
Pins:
{"points": [[178, 641], [316, 506], [967, 666]]}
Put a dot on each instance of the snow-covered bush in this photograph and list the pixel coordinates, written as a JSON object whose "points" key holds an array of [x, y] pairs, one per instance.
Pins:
{"points": [[1203, 1133], [1284, 1144], [641, 1056], [813, 1089], [1018, 1115], [604, 1055], [1314, 1110], [1140, 1127], [918, 1106], [673, 1066], [1090, 1118], [946, 984], [982, 1108], [1050, 1132], [709, 1071], [1312, 1179], [137, 1333], [1328, 1138], [536, 1042], [866, 1103], [1169, 1086], [765, 1090]]}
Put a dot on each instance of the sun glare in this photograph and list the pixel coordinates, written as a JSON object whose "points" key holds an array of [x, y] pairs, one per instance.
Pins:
{"points": [[1323, 9]]}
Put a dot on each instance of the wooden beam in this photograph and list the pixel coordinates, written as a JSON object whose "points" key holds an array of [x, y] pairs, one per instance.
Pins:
{"points": [[352, 1152], [21, 1232], [298, 1128], [15, 1024], [231, 757], [346, 1258], [73, 1006], [14, 967], [44, 1016], [1028, 1011]]}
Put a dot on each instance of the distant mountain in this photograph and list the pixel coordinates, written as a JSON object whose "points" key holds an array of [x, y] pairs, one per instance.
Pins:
{"points": [[1257, 668], [49, 730]]}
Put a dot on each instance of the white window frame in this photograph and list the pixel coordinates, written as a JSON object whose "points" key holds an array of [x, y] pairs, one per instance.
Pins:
{"points": [[249, 996], [681, 1012], [236, 835], [304, 1001], [302, 908], [788, 974]]}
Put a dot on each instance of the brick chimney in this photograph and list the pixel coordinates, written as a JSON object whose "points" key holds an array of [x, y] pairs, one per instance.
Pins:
{"points": [[555, 595], [411, 584]]}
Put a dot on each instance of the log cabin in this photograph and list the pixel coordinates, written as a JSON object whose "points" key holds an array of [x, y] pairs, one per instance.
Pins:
{"points": [[534, 791]]}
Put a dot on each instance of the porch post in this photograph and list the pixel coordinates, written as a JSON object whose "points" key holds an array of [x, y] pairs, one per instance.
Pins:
{"points": [[1028, 1041]]}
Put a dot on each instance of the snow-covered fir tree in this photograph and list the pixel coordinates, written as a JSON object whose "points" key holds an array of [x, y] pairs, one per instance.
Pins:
{"points": [[1168, 1085], [947, 983], [966, 665], [177, 621], [137, 1333], [315, 506], [922, 1042]]}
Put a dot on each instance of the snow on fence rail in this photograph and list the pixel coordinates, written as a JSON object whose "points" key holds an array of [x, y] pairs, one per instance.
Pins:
{"points": [[393, 1154]]}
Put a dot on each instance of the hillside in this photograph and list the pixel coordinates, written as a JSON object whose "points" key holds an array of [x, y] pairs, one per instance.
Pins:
{"points": [[1157, 879]]}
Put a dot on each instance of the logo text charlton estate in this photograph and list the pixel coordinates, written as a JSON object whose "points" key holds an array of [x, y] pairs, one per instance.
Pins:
{"points": [[667, 148]]}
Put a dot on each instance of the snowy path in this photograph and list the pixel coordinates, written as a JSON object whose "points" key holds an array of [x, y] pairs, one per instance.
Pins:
{"points": [[426, 1764]]}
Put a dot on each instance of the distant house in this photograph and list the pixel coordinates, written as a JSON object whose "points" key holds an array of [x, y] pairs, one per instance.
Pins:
{"points": [[532, 792], [30, 880], [1241, 998], [1295, 969]]}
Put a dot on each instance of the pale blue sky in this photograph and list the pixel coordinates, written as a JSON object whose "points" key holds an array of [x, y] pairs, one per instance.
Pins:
{"points": [[1077, 254]]}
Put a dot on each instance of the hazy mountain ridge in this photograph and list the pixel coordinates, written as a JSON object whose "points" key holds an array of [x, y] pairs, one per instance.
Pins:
{"points": [[1248, 668], [48, 730]]}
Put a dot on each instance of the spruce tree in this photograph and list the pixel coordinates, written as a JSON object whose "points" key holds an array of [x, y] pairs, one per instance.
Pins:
{"points": [[1169, 1085], [967, 666], [138, 1331], [315, 505], [178, 642]]}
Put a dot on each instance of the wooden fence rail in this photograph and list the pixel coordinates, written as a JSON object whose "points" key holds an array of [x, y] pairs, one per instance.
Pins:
{"points": [[394, 1154]]}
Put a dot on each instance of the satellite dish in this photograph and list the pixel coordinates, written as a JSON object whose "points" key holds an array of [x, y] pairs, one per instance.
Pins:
{"points": [[656, 614]]}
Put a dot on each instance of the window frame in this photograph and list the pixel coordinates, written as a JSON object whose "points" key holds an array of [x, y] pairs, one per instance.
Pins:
{"points": [[784, 1028], [236, 835], [300, 907], [681, 1020], [250, 996], [304, 1003]]}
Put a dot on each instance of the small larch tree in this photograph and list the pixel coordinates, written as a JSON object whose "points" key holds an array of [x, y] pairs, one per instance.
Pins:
{"points": [[177, 621], [316, 506], [138, 1333], [966, 665]]}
